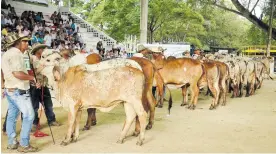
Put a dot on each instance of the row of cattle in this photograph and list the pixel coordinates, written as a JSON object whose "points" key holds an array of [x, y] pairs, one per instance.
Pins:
{"points": [[86, 82]]}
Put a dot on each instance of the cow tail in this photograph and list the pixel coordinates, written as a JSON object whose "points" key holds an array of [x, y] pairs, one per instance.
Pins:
{"points": [[144, 97], [202, 75], [170, 99]]}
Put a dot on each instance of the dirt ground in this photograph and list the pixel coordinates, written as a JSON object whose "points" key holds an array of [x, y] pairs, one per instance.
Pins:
{"points": [[244, 125]]}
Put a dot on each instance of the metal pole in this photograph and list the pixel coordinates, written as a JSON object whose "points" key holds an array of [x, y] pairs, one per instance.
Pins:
{"points": [[270, 29], [143, 21]]}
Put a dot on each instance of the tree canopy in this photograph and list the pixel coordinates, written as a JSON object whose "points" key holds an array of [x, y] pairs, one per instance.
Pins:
{"points": [[204, 23]]}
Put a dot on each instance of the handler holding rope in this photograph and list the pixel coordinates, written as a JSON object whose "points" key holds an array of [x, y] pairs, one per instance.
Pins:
{"points": [[36, 93], [17, 90]]}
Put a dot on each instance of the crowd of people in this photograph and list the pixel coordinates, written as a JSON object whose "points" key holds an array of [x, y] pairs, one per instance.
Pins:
{"points": [[55, 31], [25, 90]]}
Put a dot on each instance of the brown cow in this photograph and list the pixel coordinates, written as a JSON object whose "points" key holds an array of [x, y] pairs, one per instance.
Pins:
{"points": [[211, 80], [150, 73], [75, 86], [223, 80], [180, 72]]}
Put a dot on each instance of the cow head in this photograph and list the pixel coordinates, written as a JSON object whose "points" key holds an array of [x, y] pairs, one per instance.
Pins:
{"points": [[51, 64]]}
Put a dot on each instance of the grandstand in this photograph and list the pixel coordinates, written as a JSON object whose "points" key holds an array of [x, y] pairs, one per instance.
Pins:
{"points": [[90, 34]]}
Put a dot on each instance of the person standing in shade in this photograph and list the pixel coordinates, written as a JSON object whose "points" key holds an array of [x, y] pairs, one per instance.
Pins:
{"points": [[36, 93]]}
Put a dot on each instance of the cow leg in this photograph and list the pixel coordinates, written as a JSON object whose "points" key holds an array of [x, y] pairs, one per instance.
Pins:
{"points": [[224, 91], [91, 115], [185, 96], [214, 88], [77, 126], [194, 94], [241, 89], [261, 83], [253, 82], [137, 127], [71, 120], [94, 119], [248, 89], [152, 103], [160, 89], [130, 115], [142, 119]]}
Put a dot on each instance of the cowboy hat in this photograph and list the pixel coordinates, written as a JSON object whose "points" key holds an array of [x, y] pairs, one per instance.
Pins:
{"points": [[38, 46], [11, 38], [156, 50], [161, 49], [141, 47], [138, 55]]}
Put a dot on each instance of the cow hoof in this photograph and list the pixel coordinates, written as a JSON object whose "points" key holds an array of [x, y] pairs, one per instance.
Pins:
{"points": [[191, 107], [139, 143], [183, 104], [85, 128], [94, 122], [135, 134], [63, 143], [160, 106], [247, 95], [149, 126], [232, 96], [120, 141], [74, 140], [212, 107]]}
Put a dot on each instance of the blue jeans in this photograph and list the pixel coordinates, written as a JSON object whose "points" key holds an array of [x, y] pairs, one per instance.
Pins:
{"points": [[23, 104]]}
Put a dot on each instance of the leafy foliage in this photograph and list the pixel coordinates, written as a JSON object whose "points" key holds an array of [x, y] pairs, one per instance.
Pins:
{"points": [[193, 21]]}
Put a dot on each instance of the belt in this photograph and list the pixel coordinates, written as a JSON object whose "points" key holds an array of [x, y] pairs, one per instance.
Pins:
{"points": [[21, 92]]}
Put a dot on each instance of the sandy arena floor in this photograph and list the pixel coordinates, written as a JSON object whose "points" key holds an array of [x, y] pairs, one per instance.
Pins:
{"points": [[244, 125]]}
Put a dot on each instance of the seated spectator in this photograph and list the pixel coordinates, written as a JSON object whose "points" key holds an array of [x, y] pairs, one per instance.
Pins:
{"points": [[40, 39], [53, 16], [26, 32], [35, 38], [26, 23], [2, 20], [53, 34], [19, 28], [70, 32], [62, 45], [35, 28], [73, 26], [4, 31], [77, 46], [8, 21], [47, 39], [67, 25], [37, 17]]}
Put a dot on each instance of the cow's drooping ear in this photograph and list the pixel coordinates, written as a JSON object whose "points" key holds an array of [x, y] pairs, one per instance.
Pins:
{"points": [[56, 73]]}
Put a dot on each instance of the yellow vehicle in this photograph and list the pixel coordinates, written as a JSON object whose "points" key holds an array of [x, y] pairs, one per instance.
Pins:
{"points": [[257, 50]]}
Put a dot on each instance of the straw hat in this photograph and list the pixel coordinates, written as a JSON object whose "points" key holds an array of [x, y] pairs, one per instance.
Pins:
{"points": [[156, 50], [38, 46], [141, 47], [138, 55], [13, 37]]}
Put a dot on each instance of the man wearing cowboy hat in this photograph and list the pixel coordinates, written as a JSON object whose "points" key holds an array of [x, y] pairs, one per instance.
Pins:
{"points": [[17, 92], [156, 51], [36, 93]]}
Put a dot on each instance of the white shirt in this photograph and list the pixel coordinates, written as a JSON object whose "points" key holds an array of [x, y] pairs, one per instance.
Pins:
{"points": [[12, 61], [48, 40], [26, 32], [19, 28], [60, 47], [54, 36], [8, 21]]}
